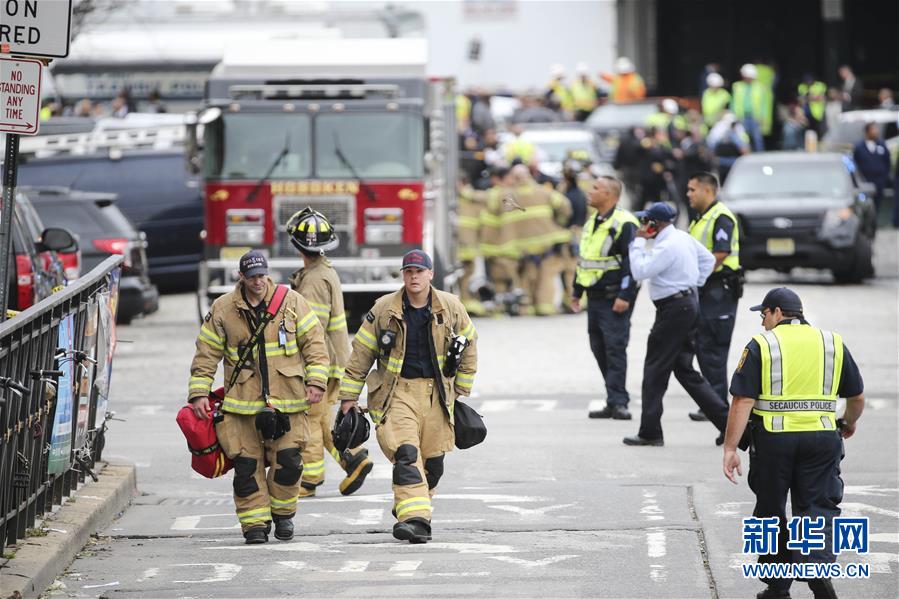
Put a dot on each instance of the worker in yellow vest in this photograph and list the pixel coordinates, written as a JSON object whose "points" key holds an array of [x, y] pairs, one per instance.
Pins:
{"points": [[463, 113], [583, 93], [717, 230], [627, 85], [557, 94], [785, 388], [518, 148], [813, 99], [752, 104], [715, 99]]}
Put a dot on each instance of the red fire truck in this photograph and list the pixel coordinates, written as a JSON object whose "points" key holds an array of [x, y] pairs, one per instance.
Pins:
{"points": [[353, 128]]}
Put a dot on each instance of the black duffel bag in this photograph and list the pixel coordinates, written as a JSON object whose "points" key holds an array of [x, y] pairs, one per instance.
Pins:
{"points": [[469, 426]]}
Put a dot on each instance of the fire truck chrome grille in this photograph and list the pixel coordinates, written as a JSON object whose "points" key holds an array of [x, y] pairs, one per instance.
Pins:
{"points": [[339, 210]]}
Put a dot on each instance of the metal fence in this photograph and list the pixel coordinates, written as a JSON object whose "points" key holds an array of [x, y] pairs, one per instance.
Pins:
{"points": [[55, 365]]}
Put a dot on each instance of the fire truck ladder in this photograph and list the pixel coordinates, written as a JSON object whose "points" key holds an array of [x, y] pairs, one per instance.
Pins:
{"points": [[110, 140]]}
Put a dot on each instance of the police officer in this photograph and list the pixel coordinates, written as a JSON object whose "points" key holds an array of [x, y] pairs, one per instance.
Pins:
{"points": [[604, 273], [312, 235], [786, 386], [411, 395], [675, 266], [264, 411], [717, 230]]}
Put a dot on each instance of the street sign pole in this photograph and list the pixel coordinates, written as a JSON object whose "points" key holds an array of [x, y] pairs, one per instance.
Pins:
{"points": [[10, 171]]}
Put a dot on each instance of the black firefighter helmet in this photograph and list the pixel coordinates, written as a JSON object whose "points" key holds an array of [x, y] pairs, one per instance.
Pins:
{"points": [[350, 430], [311, 232]]}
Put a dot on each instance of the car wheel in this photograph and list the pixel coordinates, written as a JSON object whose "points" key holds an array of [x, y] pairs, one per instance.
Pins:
{"points": [[860, 267]]}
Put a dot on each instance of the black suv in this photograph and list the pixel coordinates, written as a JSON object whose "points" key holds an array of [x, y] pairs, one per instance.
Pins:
{"points": [[102, 230], [803, 210]]}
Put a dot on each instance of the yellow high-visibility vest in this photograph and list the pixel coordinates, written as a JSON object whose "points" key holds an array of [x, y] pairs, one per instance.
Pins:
{"points": [[583, 95], [761, 102], [714, 103], [702, 231], [594, 259], [818, 91], [801, 369], [520, 148]]}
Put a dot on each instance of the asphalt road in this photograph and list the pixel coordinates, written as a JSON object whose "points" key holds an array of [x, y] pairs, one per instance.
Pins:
{"points": [[551, 505]]}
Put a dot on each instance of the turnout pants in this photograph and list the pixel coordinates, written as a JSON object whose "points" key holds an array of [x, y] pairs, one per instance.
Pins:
{"points": [[538, 278], [670, 348], [807, 466], [609, 334], [321, 421], [257, 495], [414, 435], [504, 274], [717, 315]]}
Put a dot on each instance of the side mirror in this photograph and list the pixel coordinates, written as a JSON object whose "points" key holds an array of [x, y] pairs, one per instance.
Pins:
{"points": [[57, 240]]}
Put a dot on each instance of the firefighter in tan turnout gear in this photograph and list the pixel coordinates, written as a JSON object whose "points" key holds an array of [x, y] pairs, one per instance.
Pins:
{"points": [[312, 235], [278, 377], [411, 396]]}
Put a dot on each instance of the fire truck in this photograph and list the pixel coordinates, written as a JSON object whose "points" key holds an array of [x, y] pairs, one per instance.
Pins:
{"points": [[354, 129]]}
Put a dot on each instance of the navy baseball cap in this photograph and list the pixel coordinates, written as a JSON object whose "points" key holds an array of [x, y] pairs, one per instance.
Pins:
{"points": [[417, 259], [660, 211], [783, 298], [253, 263]]}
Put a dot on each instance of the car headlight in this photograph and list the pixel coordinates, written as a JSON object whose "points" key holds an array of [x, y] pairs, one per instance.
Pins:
{"points": [[839, 227]]}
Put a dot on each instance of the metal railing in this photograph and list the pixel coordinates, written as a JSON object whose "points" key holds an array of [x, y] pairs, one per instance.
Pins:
{"points": [[50, 382]]}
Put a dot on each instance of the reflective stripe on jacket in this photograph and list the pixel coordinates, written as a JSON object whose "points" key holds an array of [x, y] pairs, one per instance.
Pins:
{"points": [[801, 369], [594, 259], [702, 231]]}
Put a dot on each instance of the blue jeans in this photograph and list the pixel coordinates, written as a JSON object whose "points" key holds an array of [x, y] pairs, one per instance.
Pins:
{"points": [[754, 130]]}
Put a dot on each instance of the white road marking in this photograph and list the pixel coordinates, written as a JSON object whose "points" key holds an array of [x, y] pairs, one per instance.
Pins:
{"points": [[528, 563], [498, 405], [192, 522], [98, 586], [852, 510], [367, 518], [872, 490], [299, 546], [221, 572], [405, 567], [884, 537], [526, 512], [479, 548], [353, 566], [656, 540], [656, 543], [148, 574], [381, 472], [732, 508], [294, 565], [541, 405]]}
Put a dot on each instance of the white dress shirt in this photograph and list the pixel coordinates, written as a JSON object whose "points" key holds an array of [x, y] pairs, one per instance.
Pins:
{"points": [[676, 262]]}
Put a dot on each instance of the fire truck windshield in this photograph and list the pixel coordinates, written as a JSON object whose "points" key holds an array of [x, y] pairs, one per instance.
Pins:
{"points": [[244, 146], [379, 145]]}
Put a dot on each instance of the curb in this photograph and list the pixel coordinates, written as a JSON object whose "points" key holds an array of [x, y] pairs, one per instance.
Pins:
{"points": [[39, 560]]}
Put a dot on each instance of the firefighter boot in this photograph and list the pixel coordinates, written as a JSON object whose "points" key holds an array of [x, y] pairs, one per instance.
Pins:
{"points": [[414, 530], [357, 468], [307, 489], [255, 536], [283, 527]]}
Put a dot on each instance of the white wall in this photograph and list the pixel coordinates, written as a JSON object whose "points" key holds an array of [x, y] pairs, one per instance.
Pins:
{"points": [[518, 50]]}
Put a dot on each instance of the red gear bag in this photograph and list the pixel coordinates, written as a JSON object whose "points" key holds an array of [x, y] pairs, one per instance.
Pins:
{"points": [[207, 457]]}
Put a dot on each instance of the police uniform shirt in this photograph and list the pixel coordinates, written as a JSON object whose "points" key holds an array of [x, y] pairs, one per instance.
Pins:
{"points": [[618, 277], [747, 378], [417, 359]]}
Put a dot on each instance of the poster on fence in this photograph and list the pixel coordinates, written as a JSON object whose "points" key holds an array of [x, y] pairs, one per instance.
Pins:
{"points": [[85, 376], [104, 357], [61, 440]]}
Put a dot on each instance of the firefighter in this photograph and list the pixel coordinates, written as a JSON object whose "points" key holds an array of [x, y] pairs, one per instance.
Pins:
{"points": [[496, 244], [468, 230], [267, 393], [411, 395], [786, 387], [538, 232], [312, 235]]}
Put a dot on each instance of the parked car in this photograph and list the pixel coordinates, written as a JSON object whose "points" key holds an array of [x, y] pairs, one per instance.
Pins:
{"points": [[800, 209], [155, 191], [850, 129], [35, 269], [102, 230]]}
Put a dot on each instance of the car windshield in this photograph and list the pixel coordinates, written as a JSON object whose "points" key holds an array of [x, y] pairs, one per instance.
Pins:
{"points": [[375, 145], [245, 146], [759, 179], [620, 115]]}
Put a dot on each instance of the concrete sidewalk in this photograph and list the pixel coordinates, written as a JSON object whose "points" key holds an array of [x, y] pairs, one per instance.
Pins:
{"points": [[38, 560]]}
